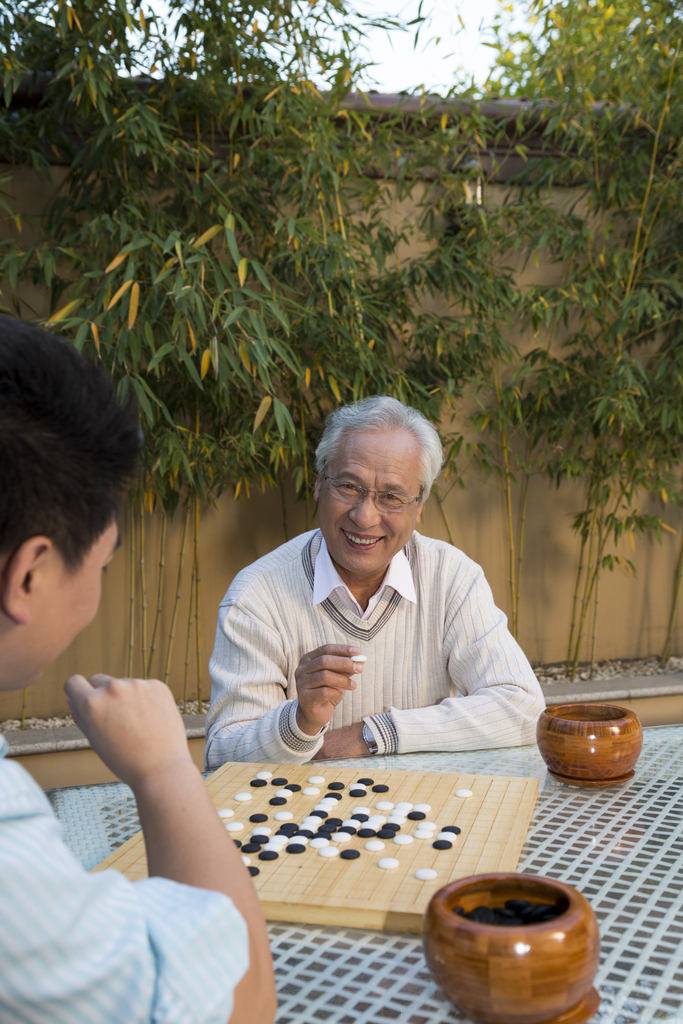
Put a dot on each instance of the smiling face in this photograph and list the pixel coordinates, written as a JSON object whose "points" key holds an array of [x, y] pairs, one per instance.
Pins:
{"points": [[362, 539]]}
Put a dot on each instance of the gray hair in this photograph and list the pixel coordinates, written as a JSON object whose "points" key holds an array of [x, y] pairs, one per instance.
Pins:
{"points": [[382, 412]]}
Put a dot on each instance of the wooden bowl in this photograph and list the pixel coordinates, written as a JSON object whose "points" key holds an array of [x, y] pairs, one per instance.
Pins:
{"points": [[529, 974], [590, 744]]}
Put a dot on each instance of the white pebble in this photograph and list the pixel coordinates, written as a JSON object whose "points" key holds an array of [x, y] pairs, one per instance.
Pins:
{"points": [[312, 819], [311, 791], [340, 837], [234, 826], [464, 793], [262, 830], [317, 780], [360, 658], [272, 846], [264, 775], [403, 807], [425, 808], [245, 859], [374, 845], [242, 796], [353, 823], [424, 833], [450, 836], [427, 824], [403, 840], [426, 874], [387, 863], [322, 807], [304, 840], [286, 793], [375, 821], [385, 805], [329, 851], [362, 810], [326, 805], [317, 844], [283, 816], [397, 819], [225, 812]]}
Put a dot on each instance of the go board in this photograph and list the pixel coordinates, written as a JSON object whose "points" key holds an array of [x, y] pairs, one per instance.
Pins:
{"points": [[310, 888]]}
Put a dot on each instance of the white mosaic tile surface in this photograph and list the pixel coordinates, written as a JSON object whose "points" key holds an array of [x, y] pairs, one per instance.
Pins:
{"points": [[622, 848]]}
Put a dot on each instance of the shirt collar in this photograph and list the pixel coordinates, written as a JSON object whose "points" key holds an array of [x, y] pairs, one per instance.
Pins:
{"points": [[326, 578]]}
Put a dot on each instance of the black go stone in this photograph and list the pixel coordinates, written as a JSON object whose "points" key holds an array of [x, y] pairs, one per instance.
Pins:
{"points": [[321, 835], [391, 826], [251, 848], [278, 782], [334, 796], [289, 826], [326, 827], [277, 801], [318, 814], [267, 855], [361, 817], [442, 844], [347, 828], [514, 913], [335, 821], [366, 833], [295, 848], [452, 828], [380, 789], [307, 832], [349, 854], [366, 782], [416, 815], [259, 839], [335, 785], [294, 786], [358, 792], [257, 783], [237, 843], [281, 832], [385, 833], [484, 915], [253, 871], [258, 818]]}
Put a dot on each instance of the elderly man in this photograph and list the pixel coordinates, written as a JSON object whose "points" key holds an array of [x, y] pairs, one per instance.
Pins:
{"points": [[437, 668]]}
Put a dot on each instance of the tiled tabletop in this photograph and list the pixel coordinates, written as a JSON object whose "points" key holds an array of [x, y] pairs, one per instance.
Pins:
{"points": [[621, 847]]}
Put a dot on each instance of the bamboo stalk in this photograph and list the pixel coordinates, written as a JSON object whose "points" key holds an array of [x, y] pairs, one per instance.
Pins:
{"points": [[187, 643], [24, 695], [440, 501], [511, 537], [198, 631], [520, 540], [143, 587], [675, 598], [595, 619], [303, 435], [588, 586], [160, 593], [285, 525], [176, 604], [575, 601], [131, 615]]}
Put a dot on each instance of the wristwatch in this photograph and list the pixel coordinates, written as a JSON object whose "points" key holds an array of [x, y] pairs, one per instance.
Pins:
{"points": [[369, 739]]}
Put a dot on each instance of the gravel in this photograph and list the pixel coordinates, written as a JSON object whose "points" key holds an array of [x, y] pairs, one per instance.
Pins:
{"points": [[13, 724]]}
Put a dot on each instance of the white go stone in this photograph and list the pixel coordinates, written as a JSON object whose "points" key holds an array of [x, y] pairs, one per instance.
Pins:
{"points": [[403, 840], [464, 793], [304, 840], [373, 845], [317, 780], [262, 830], [312, 819], [286, 793], [360, 658], [427, 824], [283, 816], [246, 860], [424, 833], [403, 807], [319, 843], [450, 836], [425, 808], [388, 863], [397, 819], [341, 837], [362, 810], [375, 821], [328, 851], [272, 846], [353, 823], [225, 812], [426, 874], [242, 796], [321, 807], [234, 826], [385, 805], [311, 791], [264, 775]]}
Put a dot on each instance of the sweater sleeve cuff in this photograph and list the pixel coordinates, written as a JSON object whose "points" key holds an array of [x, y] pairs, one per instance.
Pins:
{"points": [[384, 731], [292, 736]]}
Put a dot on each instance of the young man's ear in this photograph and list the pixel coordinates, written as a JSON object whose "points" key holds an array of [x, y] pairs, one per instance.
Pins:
{"points": [[18, 577]]}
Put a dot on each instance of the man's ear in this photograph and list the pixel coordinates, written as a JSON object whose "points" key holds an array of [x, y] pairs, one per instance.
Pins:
{"points": [[316, 489], [18, 577], [419, 514]]}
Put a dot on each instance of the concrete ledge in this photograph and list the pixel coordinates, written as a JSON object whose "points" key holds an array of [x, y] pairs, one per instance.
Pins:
{"points": [[608, 690], [31, 742]]}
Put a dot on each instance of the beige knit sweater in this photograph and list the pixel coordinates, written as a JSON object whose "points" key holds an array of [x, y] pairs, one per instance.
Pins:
{"points": [[442, 674]]}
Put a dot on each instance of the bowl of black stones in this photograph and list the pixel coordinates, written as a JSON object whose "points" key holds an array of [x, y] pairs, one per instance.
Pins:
{"points": [[514, 949]]}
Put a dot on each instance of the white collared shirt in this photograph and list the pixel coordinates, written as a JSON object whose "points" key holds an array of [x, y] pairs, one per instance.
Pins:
{"points": [[326, 579]]}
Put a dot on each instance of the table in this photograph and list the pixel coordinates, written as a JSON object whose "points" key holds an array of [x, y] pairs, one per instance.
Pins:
{"points": [[622, 848]]}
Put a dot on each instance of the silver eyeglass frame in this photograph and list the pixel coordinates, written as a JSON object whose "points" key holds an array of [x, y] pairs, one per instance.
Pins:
{"points": [[364, 491]]}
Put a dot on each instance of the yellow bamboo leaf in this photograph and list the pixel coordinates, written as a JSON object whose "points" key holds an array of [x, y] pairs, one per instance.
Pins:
{"points": [[665, 496], [133, 307], [237, 489], [206, 362], [230, 222], [633, 543], [244, 356], [143, 21], [335, 387], [307, 377], [669, 529], [64, 311], [444, 122], [96, 335], [192, 337], [558, 72], [242, 270], [261, 412], [149, 501], [272, 93], [122, 291], [116, 262], [208, 235]]}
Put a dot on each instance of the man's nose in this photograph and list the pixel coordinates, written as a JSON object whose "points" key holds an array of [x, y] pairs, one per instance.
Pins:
{"points": [[365, 515]]}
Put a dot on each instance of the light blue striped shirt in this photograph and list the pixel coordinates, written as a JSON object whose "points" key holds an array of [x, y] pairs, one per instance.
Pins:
{"points": [[98, 949]]}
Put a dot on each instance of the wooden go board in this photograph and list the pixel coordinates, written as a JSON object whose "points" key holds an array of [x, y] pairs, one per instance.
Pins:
{"points": [[308, 888]]}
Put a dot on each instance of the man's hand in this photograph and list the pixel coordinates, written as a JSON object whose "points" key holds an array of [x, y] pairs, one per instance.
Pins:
{"points": [[346, 742], [133, 724], [322, 678]]}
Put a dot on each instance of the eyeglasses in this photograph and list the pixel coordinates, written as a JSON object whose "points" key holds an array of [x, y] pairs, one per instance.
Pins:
{"points": [[385, 501]]}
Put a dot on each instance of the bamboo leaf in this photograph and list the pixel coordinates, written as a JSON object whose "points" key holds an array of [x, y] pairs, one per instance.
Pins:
{"points": [[122, 291], [244, 356], [116, 262], [64, 311], [192, 369], [335, 387], [261, 412], [242, 271], [133, 307], [206, 362], [207, 236]]}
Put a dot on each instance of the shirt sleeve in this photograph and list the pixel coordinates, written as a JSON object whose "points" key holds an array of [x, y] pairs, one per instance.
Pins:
{"points": [[250, 718], [499, 699], [97, 949]]}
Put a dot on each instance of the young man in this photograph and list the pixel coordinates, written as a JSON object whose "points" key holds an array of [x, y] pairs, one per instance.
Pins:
{"points": [[189, 944]]}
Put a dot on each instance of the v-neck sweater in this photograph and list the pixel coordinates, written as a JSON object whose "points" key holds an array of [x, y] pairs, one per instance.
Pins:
{"points": [[441, 674]]}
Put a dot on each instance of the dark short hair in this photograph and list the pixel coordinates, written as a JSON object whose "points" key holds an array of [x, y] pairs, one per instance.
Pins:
{"points": [[68, 447]]}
